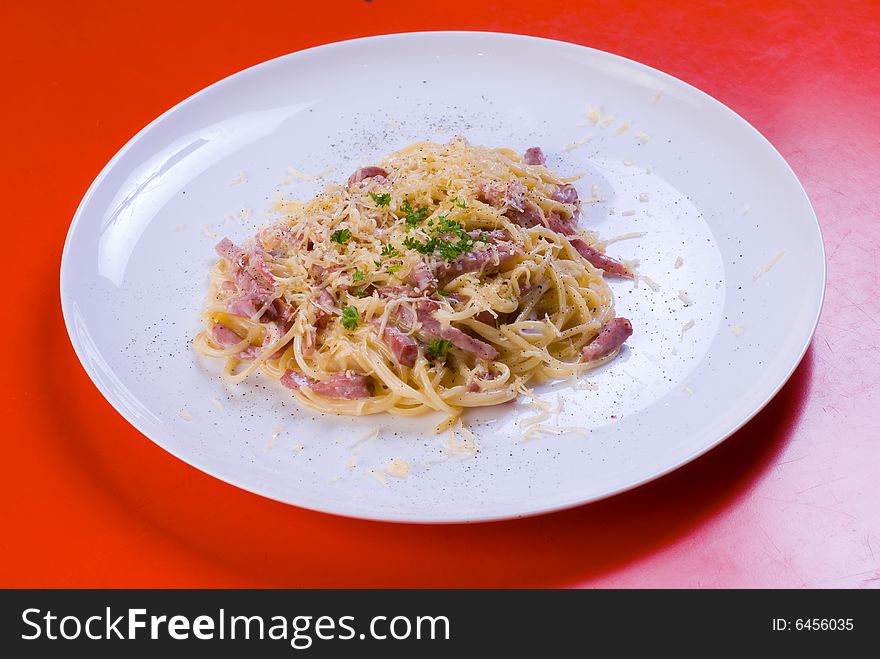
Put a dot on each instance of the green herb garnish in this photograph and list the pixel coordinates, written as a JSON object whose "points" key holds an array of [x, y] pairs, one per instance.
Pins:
{"points": [[438, 348], [413, 216], [341, 236], [394, 267], [443, 293], [360, 292], [381, 199], [350, 317], [458, 202], [389, 250], [358, 276]]}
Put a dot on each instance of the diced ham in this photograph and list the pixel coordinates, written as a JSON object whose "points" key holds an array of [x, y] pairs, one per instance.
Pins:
{"points": [[403, 346], [490, 192], [245, 306], [250, 273], [396, 291], [347, 386], [364, 173], [612, 335], [487, 318], [534, 156], [224, 337], [486, 260], [600, 260], [481, 374], [324, 308], [422, 278], [566, 194], [494, 236], [428, 327]]}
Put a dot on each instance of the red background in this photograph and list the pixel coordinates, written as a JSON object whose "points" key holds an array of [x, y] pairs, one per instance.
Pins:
{"points": [[789, 501]]}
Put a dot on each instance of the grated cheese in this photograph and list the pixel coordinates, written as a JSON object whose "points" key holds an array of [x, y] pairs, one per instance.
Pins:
{"points": [[575, 145], [766, 268], [351, 463], [678, 262], [179, 227], [184, 414], [657, 96], [399, 468], [737, 330], [241, 178], [622, 128], [593, 115], [628, 213], [643, 197], [688, 325], [688, 390], [684, 297], [629, 162], [308, 177], [276, 433], [624, 236], [653, 285], [643, 137], [606, 121]]}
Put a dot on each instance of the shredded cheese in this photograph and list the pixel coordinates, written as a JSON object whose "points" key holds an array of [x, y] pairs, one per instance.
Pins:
{"points": [[643, 137], [629, 162], [308, 177], [628, 213], [684, 297], [579, 143], [765, 269], [241, 178], [684, 328], [184, 414], [399, 468], [678, 262], [737, 330], [653, 285], [622, 128], [643, 197]]}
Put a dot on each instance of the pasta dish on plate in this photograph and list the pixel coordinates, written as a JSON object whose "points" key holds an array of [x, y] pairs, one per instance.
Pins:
{"points": [[446, 276]]}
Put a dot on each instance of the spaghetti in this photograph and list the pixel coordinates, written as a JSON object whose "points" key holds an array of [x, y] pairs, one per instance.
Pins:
{"points": [[447, 276]]}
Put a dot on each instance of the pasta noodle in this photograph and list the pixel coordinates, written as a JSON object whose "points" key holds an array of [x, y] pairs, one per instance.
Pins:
{"points": [[448, 276]]}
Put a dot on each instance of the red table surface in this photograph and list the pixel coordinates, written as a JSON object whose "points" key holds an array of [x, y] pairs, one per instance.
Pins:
{"points": [[792, 500]]}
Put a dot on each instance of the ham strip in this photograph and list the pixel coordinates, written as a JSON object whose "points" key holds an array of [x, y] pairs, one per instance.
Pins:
{"points": [[324, 308], [223, 336], [600, 260], [427, 327], [422, 278], [403, 346], [364, 173], [346, 385], [488, 260], [612, 335]]}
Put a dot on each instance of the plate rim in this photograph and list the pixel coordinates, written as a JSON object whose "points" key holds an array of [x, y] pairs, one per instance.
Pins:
{"points": [[404, 519]]}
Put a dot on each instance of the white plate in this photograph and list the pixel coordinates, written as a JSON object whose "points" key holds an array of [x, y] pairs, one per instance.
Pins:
{"points": [[134, 271]]}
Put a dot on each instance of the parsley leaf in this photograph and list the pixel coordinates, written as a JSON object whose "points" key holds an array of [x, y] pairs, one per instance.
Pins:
{"points": [[443, 293], [438, 348], [350, 317], [381, 199], [360, 292], [458, 202], [391, 269], [357, 277], [341, 236], [448, 249], [389, 250], [413, 216]]}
